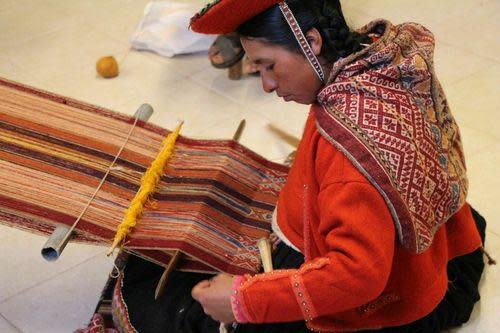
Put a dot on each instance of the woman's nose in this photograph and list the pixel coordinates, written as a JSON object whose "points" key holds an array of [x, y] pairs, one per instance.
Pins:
{"points": [[269, 84]]}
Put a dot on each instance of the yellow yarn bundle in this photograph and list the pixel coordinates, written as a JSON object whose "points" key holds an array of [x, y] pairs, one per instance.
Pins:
{"points": [[148, 184], [107, 67]]}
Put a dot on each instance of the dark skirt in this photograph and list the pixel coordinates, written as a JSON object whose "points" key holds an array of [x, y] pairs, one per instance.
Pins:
{"points": [[175, 311]]}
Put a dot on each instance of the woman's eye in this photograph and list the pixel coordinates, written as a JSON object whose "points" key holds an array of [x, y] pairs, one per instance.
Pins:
{"points": [[270, 67]]}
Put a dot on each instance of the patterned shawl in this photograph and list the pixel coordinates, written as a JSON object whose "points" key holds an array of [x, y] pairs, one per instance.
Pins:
{"points": [[384, 108]]}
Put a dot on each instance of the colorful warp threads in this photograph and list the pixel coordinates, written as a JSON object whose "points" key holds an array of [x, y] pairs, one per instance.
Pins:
{"points": [[213, 203]]}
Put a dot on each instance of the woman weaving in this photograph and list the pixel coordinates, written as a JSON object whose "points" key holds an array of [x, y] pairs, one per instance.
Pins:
{"points": [[375, 231]]}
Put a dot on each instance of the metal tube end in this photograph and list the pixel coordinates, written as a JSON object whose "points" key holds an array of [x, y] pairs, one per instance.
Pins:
{"points": [[144, 112], [56, 243], [50, 254]]}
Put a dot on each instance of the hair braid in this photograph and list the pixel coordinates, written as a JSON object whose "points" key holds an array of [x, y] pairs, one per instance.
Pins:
{"points": [[339, 40], [325, 15]]}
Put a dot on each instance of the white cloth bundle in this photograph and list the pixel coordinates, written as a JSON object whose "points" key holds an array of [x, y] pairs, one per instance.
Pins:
{"points": [[164, 29]]}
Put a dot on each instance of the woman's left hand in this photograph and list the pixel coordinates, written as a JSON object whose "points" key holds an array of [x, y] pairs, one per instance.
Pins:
{"points": [[214, 295]]}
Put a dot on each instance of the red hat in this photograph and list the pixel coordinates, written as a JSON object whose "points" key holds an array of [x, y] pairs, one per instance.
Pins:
{"points": [[224, 16]]}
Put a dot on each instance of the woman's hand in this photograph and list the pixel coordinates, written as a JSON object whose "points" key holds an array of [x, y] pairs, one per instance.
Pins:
{"points": [[214, 295]]}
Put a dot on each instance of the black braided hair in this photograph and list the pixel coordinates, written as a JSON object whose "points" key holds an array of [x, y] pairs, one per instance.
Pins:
{"points": [[324, 15]]}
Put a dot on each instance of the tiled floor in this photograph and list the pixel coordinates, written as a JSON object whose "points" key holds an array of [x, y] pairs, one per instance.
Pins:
{"points": [[53, 45]]}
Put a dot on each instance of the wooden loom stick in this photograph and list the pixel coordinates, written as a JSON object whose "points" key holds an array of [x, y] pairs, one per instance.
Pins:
{"points": [[264, 246], [163, 280], [239, 130], [160, 287]]}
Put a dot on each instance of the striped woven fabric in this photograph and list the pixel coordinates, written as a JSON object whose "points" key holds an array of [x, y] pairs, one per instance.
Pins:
{"points": [[214, 201]]}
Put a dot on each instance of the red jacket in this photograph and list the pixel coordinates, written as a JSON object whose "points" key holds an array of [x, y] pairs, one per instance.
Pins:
{"points": [[356, 275]]}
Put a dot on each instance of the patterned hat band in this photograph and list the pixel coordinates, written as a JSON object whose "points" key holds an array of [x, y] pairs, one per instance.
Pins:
{"points": [[304, 45]]}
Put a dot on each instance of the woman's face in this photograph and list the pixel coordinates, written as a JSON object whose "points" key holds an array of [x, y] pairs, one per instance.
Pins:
{"points": [[287, 73]]}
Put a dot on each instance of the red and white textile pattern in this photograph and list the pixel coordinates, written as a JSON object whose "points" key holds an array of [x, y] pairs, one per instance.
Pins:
{"points": [[384, 108]]}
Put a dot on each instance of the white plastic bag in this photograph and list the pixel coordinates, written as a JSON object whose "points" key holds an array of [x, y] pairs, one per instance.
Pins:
{"points": [[164, 29]]}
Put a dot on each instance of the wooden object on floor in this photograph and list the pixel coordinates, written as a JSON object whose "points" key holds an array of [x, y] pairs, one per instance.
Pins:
{"points": [[235, 72]]}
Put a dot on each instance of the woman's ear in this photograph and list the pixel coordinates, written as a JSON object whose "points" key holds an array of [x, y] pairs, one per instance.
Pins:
{"points": [[315, 40]]}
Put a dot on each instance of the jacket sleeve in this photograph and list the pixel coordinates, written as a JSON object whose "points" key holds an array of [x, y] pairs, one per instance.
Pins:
{"points": [[360, 237]]}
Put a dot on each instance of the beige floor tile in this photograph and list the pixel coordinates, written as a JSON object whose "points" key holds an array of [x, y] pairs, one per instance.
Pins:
{"points": [[485, 315], [226, 129], [424, 12], [86, 86], [186, 100], [396, 12], [64, 52], [481, 196], [452, 22], [273, 129], [256, 136], [481, 41], [453, 64], [474, 30], [5, 326], [10, 232], [140, 75], [9, 70], [185, 65], [119, 19], [26, 20], [356, 17], [352, 4], [61, 304], [149, 71], [475, 100], [475, 141], [26, 268], [189, 64], [247, 91], [116, 18], [485, 185], [198, 3], [290, 117], [6, 4]]}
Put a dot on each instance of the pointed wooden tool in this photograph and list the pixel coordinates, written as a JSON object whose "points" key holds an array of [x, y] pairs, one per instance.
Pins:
{"points": [[265, 251], [163, 280], [239, 130]]}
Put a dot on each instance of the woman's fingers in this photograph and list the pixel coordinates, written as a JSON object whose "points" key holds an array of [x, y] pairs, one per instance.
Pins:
{"points": [[214, 295], [199, 289]]}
